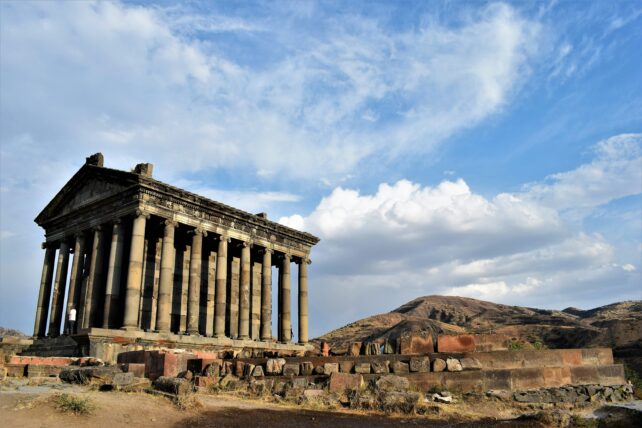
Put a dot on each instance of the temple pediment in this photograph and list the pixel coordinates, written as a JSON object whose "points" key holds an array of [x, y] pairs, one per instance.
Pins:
{"points": [[87, 186]]}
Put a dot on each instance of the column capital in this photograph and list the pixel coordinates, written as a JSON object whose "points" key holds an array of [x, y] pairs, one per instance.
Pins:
{"points": [[170, 223], [97, 228], [302, 260], [141, 213], [223, 237], [197, 231], [116, 221], [47, 244], [266, 251], [245, 244], [287, 256]]}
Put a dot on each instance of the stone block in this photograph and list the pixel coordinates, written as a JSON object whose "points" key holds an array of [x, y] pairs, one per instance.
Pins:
{"points": [[228, 368], [497, 380], [416, 343], [456, 343], [212, 370], [399, 367], [3, 373], [438, 365], [314, 393], [137, 357], [248, 370], [387, 347], [584, 375], [354, 350], [346, 366], [299, 382], [318, 370], [556, 376], [362, 368], [307, 368], [205, 381], [291, 369], [472, 381], [123, 379], [16, 370], [571, 357], [258, 371], [137, 368], [531, 378], [239, 368], [611, 374], [38, 370], [164, 363], [274, 366], [392, 383], [453, 365], [470, 364], [197, 365], [340, 382], [420, 364], [380, 367], [329, 368]]}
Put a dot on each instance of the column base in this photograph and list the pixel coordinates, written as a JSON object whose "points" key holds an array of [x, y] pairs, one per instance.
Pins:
{"points": [[130, 328]]}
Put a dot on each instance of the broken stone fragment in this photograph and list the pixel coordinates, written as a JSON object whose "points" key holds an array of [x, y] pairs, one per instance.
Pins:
{"points": [[258, 371], [346, 366], [380, 367], [318, 370], [388, 348], [470, 364], [307, 368], [453, 365], [399, 367], [212, 370], [274, 366], [438, 365], [291, 369], [354, 350], [392, 383], [362, 368], [420, 364], [329, 368]]}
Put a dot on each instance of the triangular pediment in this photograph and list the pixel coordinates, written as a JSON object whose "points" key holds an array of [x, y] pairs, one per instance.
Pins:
{"points": [[87, 186]]}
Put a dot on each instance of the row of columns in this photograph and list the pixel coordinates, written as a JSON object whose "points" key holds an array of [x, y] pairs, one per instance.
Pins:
{"points": [[87, 272]]}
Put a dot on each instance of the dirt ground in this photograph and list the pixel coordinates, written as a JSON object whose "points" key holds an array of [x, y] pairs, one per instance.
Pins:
{"points": [[31, 406]]}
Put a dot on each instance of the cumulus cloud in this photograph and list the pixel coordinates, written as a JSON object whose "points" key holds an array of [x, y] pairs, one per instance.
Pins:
{"points": [[513, 248]]}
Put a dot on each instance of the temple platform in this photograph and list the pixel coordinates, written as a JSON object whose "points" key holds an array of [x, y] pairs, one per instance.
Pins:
{"points": [[106, 344]]}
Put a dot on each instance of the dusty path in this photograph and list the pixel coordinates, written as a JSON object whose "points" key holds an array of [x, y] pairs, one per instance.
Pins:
{"points": [[31, 407]]}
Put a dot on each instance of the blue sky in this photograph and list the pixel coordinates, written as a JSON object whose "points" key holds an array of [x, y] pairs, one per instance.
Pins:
{"points": [[490, 150]]}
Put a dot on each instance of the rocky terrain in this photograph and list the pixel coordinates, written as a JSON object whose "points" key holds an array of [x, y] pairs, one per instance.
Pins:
{"points": [[9, 332], [618, 326]]}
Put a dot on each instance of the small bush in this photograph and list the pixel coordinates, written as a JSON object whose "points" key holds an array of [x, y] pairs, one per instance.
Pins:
{"points": [[187, 402], [68, 403], [515, 345], [538, 345]]}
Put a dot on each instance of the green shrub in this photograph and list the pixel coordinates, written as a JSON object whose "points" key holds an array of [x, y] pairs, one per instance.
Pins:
{"points": [[515, 345]]}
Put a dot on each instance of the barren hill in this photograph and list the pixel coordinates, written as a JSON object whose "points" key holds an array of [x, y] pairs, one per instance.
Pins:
{"points": [[618, 325]]}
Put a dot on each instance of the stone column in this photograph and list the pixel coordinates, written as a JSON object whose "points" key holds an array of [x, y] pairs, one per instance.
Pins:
{"points": [[168, 256], [221, 287], [286, 320], [75, 279], [233, 303], [194, 287], [255, 301], [60, 284], [114, 269], [92, 296], [266, 297], [135, 271], [303, 300], [42, 309], [244, 325]]}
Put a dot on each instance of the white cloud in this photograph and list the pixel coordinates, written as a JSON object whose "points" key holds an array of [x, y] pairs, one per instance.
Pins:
{"points": [[407, 240], [121, 77], [614, 173]]}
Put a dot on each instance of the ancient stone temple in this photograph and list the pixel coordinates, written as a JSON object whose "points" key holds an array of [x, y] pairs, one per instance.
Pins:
{"points": [[145, 263]]}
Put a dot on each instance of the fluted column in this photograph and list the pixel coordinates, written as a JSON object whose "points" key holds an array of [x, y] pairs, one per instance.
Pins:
{"points": [[168, 255], [194, 286], [266, 296], [286, 311], [135, 271], [93, 281], [244, 325], [221, 287], [114, 269], [60, 284], [75, 278], [42, 309], [303, 300]]}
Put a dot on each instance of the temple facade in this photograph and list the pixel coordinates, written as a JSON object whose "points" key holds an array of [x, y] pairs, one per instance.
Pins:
{"points": [[142, 259]]}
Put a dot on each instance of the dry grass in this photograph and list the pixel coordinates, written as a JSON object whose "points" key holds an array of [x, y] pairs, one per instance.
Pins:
{"points": [[187, 402], [68, 403]]}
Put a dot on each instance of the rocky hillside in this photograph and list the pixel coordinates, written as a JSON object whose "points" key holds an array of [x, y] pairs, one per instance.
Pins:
{"points": [[618, 325], [9, 332]]}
